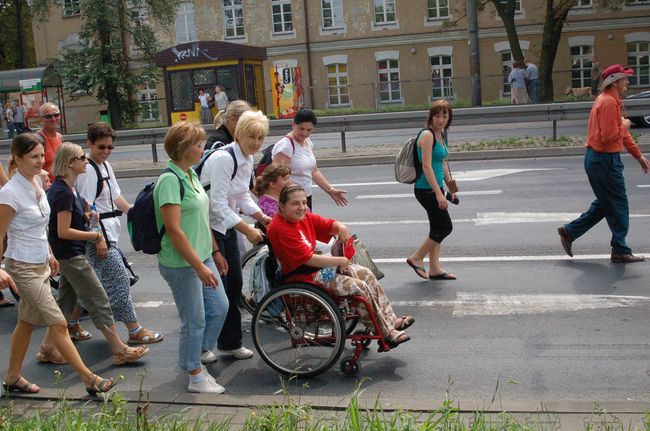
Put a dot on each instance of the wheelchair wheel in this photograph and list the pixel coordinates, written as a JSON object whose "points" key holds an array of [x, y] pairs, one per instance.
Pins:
{"points": [[298, 330], [247, 299]]}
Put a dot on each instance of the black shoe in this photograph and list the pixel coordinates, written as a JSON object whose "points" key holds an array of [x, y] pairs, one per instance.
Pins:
{"points": [[626, 258], [566, 240]]}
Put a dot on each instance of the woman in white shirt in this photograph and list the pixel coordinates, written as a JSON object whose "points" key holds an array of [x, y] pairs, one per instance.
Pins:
{"points": [[24, 215], [297, 151], [226, 175]]}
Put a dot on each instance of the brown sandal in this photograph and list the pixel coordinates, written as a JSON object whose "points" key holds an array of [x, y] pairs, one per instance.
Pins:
{"points": [[25, 388], [50, 357], [129, 354], [78, 333], [145, 336], [100, 385]]}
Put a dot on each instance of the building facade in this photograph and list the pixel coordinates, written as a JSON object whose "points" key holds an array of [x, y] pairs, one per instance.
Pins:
{"points": [[370, 53]]}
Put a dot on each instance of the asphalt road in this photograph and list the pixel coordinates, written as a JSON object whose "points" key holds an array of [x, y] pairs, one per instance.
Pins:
{"points": [[522, 316]]}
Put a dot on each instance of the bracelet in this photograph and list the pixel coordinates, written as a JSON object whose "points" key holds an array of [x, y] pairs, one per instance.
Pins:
{"points": [[215, 252], [98, 237], [331, 189]]}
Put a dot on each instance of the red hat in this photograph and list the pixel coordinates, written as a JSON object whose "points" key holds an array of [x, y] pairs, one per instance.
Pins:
{"points": [[612, 74]]}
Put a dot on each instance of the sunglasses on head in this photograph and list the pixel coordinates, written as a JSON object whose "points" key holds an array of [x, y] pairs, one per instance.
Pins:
{"points": [[106, 147], [50, 116], [82, 157]]}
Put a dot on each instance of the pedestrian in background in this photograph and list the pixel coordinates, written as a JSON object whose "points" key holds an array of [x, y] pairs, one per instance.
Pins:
{"points": [[220, 98], [296, 150], [532, 76], [51, 120], [24, 215], [429, 191], [9, 117], [189, 259], [2, 120], [206, 113], [517, 81], [607, 134], [19, 118]]}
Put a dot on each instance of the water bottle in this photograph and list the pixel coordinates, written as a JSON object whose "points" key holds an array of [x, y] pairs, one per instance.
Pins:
{"points": [[328, 273], [93, 220]]}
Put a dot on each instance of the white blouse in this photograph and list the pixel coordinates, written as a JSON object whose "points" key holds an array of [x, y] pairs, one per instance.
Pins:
{"points": [[27, 233], [302, 163]]}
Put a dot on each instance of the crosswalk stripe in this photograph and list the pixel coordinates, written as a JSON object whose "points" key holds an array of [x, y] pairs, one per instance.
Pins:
{"points": [[529, 258], [410, 195]]}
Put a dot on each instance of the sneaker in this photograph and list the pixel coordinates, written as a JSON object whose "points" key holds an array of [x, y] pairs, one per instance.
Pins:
{"points": [[206, 386], [241, 353], [208, 357], [210, 378]]}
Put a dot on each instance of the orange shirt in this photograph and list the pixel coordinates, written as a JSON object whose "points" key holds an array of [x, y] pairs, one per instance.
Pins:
{"points": [[51, 145], [606, 132]]}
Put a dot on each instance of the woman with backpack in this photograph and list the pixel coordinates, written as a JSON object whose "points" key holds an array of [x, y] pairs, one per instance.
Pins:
{"points": [[98, 186], [296, 150], [429, 190], [190, 260], [24, 215], [225, 123]]}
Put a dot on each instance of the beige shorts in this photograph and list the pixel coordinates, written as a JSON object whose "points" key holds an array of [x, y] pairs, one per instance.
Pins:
{"points": [[37, 305]]}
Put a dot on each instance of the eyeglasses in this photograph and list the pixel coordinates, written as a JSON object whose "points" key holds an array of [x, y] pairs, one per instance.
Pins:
{"points": [[50, 116], [81, 157], [106, 147]]}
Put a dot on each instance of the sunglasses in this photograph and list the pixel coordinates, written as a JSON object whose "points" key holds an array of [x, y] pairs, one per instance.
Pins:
{"points": [[106, 147], [50, 116], [82, 157]]}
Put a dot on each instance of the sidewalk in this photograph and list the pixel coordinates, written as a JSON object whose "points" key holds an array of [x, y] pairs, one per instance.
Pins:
{"points": [[358, 155]]}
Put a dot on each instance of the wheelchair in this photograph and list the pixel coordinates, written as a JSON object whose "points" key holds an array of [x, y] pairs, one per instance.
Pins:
{"points": [[300, 328]]}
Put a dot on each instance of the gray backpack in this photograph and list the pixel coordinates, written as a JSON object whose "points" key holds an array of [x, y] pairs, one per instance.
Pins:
{"points": [[407, 163]]}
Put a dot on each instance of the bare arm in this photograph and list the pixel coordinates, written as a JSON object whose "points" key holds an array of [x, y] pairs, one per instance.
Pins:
{"points": [[426, 143], [337, 195], [3, 176], [122, 204], [6, 214]]}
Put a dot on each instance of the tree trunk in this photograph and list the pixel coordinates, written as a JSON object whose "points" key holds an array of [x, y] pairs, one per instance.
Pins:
{"points": [[553, 23], [21, 57], [507, 14], [125, 42], [110, 85]]}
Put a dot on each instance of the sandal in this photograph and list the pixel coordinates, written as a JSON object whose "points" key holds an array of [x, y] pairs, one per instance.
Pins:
{"points": [[443, 276], [77, 333], [395, 340], [25, 388], [129, 354], [420, 271], [53, 357], [407, 321], [144, 336], [100, 386]]}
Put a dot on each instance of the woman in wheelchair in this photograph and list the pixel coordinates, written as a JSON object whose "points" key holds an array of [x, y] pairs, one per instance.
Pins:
{"points": [[293, 233]]}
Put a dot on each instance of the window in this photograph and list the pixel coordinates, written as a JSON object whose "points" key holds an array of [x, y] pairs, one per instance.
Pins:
{"points": [[182, 94], [517, 4], [583, 3], [338, 87], [581, 66], [148, 99], [384, 11], [389, 84], [506, 68], [185, 28], [233, 18], [441, 77], [71, 8], [637, 58], [282, 19], [332, 12], [437, 9]]}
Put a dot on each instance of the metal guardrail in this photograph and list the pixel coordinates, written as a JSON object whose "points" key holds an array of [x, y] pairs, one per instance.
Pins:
{"points": [[551, 112]]}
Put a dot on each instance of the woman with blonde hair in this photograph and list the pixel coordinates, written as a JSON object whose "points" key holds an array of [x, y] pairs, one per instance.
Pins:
{"points": [[24, 214], [225, 123], [190, 260], [68, 238]]}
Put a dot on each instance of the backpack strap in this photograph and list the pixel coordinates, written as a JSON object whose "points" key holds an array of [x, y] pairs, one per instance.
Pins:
{"points": [[199, 167], [416, 160], [100, 179], [181, 187]]}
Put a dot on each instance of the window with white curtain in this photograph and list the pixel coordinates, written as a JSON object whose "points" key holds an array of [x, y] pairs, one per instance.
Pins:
{"points": [[332, 14], [233, 19], [185, 28]]}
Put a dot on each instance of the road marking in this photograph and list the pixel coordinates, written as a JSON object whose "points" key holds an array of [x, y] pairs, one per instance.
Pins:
{"points": [[643, 186], [490, 218], [480, 304], [530, 258], [410, 195]]}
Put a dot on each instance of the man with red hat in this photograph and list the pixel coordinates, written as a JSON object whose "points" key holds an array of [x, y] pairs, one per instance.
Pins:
{"points": [[608, 132]]}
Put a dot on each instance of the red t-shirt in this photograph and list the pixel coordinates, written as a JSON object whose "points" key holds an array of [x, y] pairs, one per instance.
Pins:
{"points": [[51, 145], [293, 243]]}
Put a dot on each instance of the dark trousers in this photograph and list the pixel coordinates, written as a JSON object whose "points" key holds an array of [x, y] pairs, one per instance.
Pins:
{"points": [[440, 225], [231, 334], [605, 173]]}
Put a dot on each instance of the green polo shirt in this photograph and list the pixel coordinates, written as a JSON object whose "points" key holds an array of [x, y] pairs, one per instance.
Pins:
{"points": [[195, 216]]}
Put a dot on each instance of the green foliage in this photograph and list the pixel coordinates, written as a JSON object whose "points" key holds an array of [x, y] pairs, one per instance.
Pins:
{"points": [[9, 44], [113, 34]]}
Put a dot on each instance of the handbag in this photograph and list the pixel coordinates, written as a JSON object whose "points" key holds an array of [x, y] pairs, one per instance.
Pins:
{"points": [[361, 256]]}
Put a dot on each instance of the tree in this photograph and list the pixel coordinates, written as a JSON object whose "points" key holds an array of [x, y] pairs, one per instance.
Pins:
{"points": [[113, 36], [16, 39]]}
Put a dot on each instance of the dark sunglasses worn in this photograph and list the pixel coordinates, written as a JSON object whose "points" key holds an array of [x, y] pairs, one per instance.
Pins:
{"points": [[50, 116], [106, 147], [82, 157]]}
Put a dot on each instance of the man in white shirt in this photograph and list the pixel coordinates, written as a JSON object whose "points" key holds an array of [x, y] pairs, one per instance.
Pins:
{"points": [[206, 113]]}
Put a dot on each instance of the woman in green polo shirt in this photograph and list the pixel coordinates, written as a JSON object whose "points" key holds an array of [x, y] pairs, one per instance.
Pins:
{"points": [[189, 257]]}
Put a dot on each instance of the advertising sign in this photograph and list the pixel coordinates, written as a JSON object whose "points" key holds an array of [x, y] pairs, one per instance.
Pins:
{"points": [[286, 82]]}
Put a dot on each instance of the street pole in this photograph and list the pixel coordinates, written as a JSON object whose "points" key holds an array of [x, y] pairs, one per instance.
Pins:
{"points": [[474, 58]]}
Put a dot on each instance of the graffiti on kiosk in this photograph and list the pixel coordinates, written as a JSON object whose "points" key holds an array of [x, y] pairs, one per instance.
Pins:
{"points": [[195, 51]]}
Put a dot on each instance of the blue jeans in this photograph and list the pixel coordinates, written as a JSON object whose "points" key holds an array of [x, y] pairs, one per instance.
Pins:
{"points": [[202, 311], [534, 90], [605, 173]]}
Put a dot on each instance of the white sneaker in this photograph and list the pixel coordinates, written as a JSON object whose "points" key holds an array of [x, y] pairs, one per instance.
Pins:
{"points": [[208, 357], [206, 386], [211, 379], [241, 353]]}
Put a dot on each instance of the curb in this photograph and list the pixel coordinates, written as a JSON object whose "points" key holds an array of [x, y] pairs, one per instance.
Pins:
{"points": [[341, 161]]}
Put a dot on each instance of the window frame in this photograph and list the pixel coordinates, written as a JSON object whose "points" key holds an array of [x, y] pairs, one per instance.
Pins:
{"points": [[336, 90], [388, 72], [506, 68], [233, 8], [384, 12], [641, 76], [338, 21], [148, 97], [282, 4], [71, 5], [584, 70], [437, 8], [186, 16], [446, 91]]}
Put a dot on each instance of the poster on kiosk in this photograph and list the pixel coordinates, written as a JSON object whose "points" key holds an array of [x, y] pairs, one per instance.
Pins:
{"points": [[286, 84]]}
